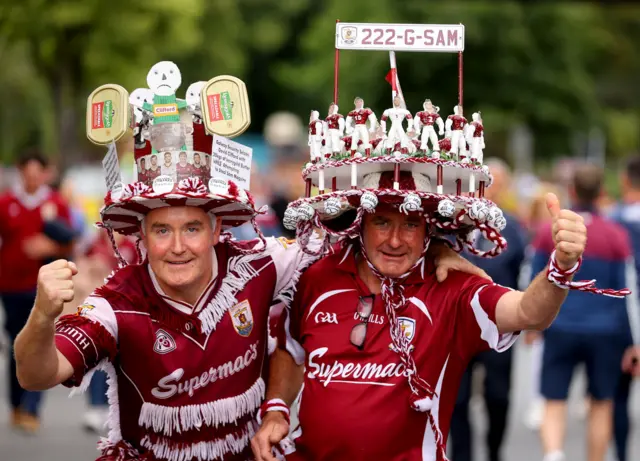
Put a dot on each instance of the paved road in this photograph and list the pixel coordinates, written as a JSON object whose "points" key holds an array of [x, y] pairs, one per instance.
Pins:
{"points": [[62, 438]]}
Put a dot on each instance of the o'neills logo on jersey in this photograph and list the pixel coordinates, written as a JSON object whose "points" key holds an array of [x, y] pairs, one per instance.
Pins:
{"points": [[173, 384], [350, 372]]}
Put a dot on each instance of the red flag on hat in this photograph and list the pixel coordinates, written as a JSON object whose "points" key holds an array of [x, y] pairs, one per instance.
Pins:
{"points": [[392, 78]]}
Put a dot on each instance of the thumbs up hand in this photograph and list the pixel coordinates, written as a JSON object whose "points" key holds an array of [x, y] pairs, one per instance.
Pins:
{"points": [[569, 233]]}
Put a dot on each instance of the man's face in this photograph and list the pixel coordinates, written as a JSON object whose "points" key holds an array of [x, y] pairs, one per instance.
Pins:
{"points": [[179, 242], [359, 103], [183, 158], [154, 161], [34, 175], [142, 164], [396, 102], [167, 158], [428, 106], [196, 159], [393, 241]]}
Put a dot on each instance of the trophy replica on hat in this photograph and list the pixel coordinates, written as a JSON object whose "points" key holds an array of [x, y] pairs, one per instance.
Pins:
{"points": [[173, 147]]}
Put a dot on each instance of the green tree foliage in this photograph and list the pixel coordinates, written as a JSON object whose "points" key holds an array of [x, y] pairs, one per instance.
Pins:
{"points": [[558, 67]]}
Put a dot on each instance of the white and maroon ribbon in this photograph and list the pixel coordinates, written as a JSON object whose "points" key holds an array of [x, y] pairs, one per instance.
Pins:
{"points": [[560, 278]]}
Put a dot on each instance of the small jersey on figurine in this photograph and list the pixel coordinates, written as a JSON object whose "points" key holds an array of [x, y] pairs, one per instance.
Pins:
{"points": [[474, 134], [164, 79], [315, 136], [396, 133], [425, 120], [358, 131], [455, 125], [334, 130]]}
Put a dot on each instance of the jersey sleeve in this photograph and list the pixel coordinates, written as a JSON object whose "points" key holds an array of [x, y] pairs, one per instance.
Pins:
{"points": [[289, 330], [290, 261], [87, 337], [477, 307]]}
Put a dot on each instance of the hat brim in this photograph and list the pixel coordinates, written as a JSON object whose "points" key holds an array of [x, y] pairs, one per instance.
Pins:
{"points": [[125, 213]]}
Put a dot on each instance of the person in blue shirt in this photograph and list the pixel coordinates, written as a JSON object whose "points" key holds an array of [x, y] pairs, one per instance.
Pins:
{"points": [[504, 270], [627, 214], [589, 329]]}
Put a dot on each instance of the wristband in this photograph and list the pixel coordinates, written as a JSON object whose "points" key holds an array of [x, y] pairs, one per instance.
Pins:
{"points": [[274, 405], [560, 278]]}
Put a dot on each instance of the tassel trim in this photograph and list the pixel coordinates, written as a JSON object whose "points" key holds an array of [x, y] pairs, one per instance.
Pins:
{"points": [[167, 420], [239, 272], [289, 290], [169, 450]]}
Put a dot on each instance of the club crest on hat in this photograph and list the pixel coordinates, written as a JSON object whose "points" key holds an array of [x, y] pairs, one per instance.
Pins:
{"points": [[242, 318], [164, 342]]}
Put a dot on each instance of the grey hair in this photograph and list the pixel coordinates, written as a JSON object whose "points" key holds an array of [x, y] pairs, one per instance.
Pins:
{"points": [[212, 218]]}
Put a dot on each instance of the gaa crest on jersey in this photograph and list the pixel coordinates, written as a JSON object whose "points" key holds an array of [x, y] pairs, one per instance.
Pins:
{"points": [[164, 342], [242, 318], [408, 327]]}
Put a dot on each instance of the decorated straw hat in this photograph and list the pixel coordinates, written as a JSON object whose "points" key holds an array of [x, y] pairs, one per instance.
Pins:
{"points": [[443, 187], [183, 154]]}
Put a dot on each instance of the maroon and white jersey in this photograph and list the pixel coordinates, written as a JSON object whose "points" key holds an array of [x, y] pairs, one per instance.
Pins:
{"points": [[184, 171], [457, 122], [396, 115], [477, 129], [152, 174], [314, 129], [199, 171], [186, 381], [333, 121], [355, 403], [427, 118], [360, 116]]}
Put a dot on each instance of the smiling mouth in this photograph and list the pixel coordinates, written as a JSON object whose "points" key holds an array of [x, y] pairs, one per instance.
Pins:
{"points": [[392, 256], [179, 263]]}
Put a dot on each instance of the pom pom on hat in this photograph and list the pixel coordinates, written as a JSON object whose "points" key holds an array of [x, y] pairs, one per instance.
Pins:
{"points": [[478, 211], [332, 206], [369, 201], [305, 212], [290, 218], [446, 208]]}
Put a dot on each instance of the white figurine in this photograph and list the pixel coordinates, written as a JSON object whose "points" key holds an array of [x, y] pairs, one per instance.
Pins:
{"points": [[137, 98], [193, 98], [396, 133], [455, 125], [358, 131], [315, 136], [334, 130], [426, 119], [475, 137]]}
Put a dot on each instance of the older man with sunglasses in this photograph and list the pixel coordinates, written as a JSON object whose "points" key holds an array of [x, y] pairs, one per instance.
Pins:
{"points": [[380, 345]]}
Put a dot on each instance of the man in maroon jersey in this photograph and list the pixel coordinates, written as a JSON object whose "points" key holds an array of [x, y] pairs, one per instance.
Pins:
{"points": [[198, 168], [380, 346], [183, 168], [153, 171], [25, 212], [143, 175]]}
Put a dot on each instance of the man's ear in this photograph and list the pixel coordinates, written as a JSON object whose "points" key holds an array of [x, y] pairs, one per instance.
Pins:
{"points": [[216, 221]]}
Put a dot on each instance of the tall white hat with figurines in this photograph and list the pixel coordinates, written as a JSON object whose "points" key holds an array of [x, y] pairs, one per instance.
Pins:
{"points": [[418, 161], [182, 148]]}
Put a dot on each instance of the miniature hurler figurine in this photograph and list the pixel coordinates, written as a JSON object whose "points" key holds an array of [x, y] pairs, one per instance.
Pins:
{"points": [[334, 130], [315, 136], [475, 137], [425, 119], [455, 125], [358, 131], [396, 133]]}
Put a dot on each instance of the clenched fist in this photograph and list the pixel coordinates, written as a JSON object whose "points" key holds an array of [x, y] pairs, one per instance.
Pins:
{"points": [[55, 287], [569, 233], [274, 428]]}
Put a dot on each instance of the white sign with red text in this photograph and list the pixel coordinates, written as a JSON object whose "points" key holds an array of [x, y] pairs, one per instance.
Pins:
{"points": [[446, 38]]}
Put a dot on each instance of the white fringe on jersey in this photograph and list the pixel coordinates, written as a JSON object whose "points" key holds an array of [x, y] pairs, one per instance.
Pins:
{"points": [[239, 273], [287, 292], [166, 420], [113, 422], [202, 451]]}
